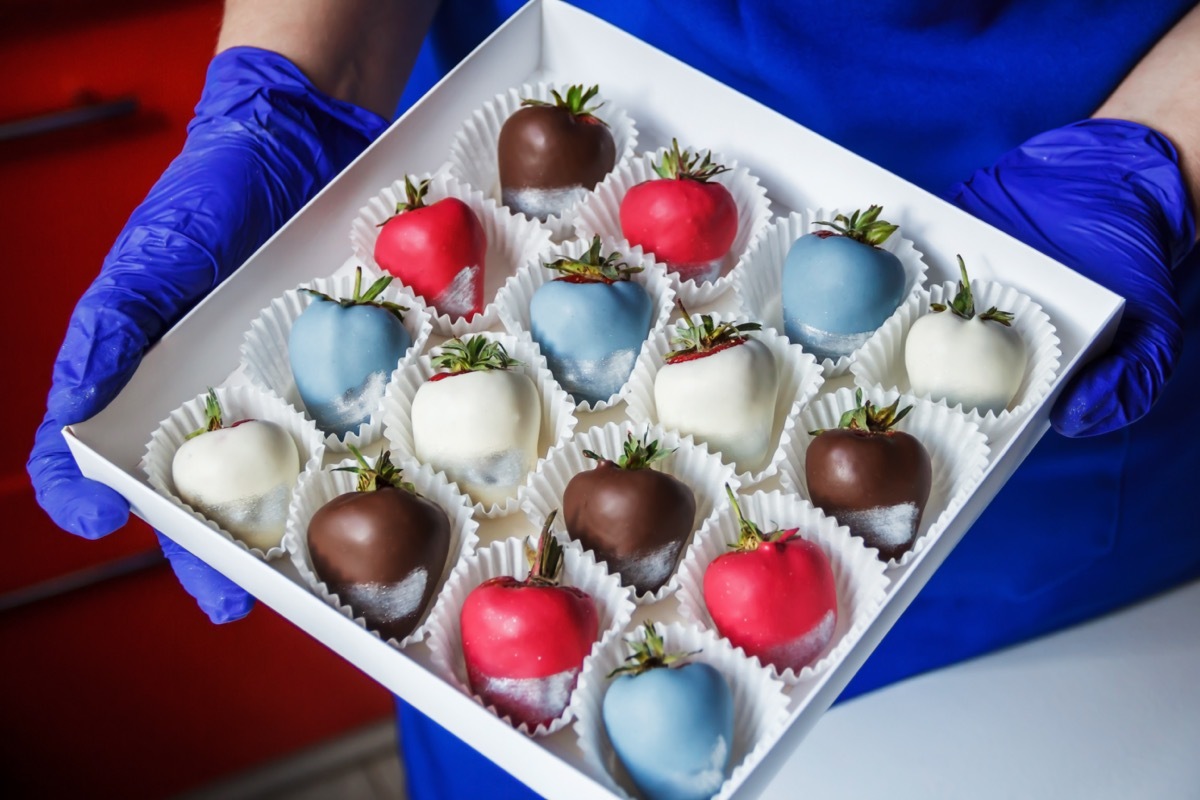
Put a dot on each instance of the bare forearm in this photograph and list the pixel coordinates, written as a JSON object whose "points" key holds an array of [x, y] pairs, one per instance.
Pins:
{"points": [[360, 51], [1163, 92]]}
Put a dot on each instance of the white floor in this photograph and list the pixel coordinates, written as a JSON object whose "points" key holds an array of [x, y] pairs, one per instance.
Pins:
{"points": [[1105, 711]]}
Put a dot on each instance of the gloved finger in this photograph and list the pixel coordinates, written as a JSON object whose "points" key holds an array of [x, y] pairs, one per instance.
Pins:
{"points": [[1120, 386], [218, 597], [78, 505]]}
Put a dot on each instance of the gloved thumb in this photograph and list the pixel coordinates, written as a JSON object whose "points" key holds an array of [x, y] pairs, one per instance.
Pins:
{"points": [[82, 507]]}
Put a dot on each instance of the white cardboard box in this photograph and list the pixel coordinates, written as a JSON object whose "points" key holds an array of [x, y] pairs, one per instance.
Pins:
{"points": [[549, 39]]}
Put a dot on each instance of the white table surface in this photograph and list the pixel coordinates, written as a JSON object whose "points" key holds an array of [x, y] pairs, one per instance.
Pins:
{"points": [[1109, 709]]}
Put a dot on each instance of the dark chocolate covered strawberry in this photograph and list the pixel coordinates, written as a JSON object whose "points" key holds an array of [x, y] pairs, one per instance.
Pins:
{"points": [[684, 217], [873, 479], [381, 548], [633, 517], [773, 595], [524, 641], [552, 154]]}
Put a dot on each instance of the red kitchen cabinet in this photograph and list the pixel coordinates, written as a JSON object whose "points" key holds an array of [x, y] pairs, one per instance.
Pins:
{"points": [[121, 688]]}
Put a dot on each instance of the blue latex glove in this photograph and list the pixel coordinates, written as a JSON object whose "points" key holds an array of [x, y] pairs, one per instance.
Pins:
{"points": [[1106, 198], [263, 142]]}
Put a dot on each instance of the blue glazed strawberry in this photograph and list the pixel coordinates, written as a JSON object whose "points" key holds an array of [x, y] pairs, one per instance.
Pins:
{"points": [[839, 285], [344, 351], [590, 322], [670, 722]]}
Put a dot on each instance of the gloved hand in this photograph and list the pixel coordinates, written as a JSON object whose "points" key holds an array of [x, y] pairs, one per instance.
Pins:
{"points": [[1106, 198], [263, 141]]}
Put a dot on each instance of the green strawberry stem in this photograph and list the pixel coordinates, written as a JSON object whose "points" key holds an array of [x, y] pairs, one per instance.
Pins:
{"points": [[545, 564], [692, 337], [638, 454], [649, 653], [866, 416], [592, 266], [963, 304], [575, 101], [862, 226], [750, 536], [212, 413], [677, 164], [473, 354], [361, 298], [383, 474]]}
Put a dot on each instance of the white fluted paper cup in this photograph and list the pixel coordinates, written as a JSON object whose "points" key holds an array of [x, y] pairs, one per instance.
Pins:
{"points": [[861, 584], [759, 284], [958, 453], [320, 486], [511, 241], [515, 297], [614, 609], [558, 418], [238, 402], [265, 356], [881, 361], [701, 471], [759, 704], [601, 214], [473, 153], [799, 381]]}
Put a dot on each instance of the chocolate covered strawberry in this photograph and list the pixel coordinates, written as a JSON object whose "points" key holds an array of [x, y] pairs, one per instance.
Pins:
{"points": [[381, 548], [437, 250], [670, 721], [774, 595], [477, 419], [634, 518], [719, 385], [524, 641], [956, 354], [873, 479], [840, 285], [590, 322], [239, 475], [552, 154], [685, 218]]}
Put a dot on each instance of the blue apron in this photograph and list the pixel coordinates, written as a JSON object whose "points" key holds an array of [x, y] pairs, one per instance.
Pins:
{"points": [[1084, 526]]}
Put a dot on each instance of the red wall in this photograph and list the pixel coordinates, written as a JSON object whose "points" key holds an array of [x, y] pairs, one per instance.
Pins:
{"points": [[122, 689]]}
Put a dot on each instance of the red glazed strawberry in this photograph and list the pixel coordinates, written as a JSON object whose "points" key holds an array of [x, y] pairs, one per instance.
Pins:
{"points": [[436, 250], [774, 595], [687, 220], [875, 480], [524, 641]]}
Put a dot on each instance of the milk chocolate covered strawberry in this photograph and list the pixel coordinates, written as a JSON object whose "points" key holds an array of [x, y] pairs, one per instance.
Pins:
{"points": [[240, 475], [552, 154], [873, 479], [524, 641], [381, 548], [633, 517], [774, 595]]}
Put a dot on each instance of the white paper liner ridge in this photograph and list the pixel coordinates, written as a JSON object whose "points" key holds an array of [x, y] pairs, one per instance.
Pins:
{"points": [[265, 357], [514, 298], [601, 214], [759, 284], [861, 582], [759, 704], [473, 154], [237, 402], [558, 410], [320, 486], [691, 462], [881, 362], [800, 379], [511, 240], [958, 453], [614, 607]]}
